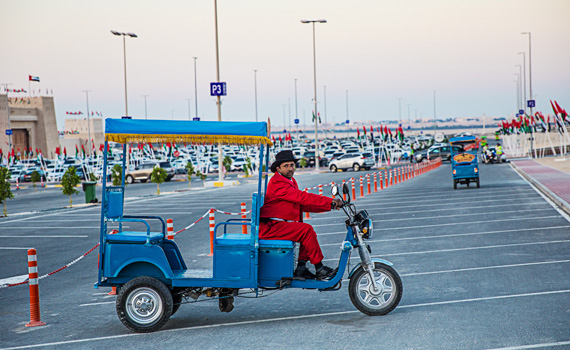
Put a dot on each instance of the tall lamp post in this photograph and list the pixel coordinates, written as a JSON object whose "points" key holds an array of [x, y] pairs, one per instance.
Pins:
{"points": [[89, 147], [530, 87], [524, 78], [315, 88], [296, 111], [145, 112], [218, 99], [195, 87], [255, 90], [132, 35]]}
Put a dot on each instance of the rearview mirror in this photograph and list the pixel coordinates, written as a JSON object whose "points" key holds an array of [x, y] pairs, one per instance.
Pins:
{"points": [[334, 191], [346, 191]]}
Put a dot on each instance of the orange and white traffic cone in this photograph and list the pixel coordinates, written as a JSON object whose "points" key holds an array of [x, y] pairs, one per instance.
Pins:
{"points": [[35, 317], [243, 217], [170, 229], [212, 221]]}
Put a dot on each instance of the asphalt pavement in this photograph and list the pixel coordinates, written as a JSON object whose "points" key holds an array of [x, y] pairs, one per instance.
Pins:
{"points": [[483, 268]]}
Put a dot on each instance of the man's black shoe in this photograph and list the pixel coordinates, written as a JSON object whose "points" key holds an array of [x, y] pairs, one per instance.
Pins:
{"points": [[303, 271], [326, 272]]}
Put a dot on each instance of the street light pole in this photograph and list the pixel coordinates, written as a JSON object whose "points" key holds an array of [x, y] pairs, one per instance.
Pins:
{"points": [[524, 78], [189, 116], [400, 109], [145, 112], [316, 115], [530, 88], [218, 99], [132, 35], [296, 111], [409, 121], [88, 122], [255, 87], [518, 81], [520, 85], [195, 87], [325, 95]]}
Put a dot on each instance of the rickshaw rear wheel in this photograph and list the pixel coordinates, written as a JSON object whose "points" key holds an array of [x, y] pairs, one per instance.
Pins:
{"points": [[176, 300], [144, 304], [478, 183], [375, 303], [454, 184]]}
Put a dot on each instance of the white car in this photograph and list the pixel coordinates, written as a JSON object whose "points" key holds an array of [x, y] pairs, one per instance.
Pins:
{"points": [[356, 161]]}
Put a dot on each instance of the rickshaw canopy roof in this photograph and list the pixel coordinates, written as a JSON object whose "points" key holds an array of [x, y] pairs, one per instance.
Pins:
{"points": [[465, 141], [201, 132]]}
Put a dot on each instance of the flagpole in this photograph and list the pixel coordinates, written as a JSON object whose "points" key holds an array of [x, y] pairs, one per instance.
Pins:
{"points": [[88, 121]]}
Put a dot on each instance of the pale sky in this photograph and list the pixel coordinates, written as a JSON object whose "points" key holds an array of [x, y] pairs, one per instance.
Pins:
{"points": [[377, 50]]}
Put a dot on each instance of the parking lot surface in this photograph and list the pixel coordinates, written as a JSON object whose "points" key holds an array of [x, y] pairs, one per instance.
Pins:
{"points": [[485, 268]]}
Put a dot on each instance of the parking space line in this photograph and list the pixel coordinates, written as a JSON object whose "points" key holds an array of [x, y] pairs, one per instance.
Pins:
{"points": [[457, 215], [533, 346], [378, 205], [15, 248], [60, 236], [288, 318], [450, 223], [472, 248], [445, 236], [434, 199], [484, 268]]}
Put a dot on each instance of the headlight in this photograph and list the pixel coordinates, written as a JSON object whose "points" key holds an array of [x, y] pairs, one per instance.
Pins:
{"points": [[366, 227]]}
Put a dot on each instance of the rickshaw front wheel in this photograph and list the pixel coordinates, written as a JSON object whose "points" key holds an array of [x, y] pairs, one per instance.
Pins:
{"points": [[375, 302], [144, 304]]}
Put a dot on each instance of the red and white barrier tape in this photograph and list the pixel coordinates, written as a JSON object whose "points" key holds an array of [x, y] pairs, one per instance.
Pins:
{"points": [[55, 271]]}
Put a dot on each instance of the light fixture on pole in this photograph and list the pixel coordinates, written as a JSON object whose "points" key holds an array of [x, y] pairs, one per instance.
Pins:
{"points": [[524, 77], [531, 98], [316, 113], [255, 90], [132, 35], [89, 146], [145, 111], [218, 98], [195, 87]]}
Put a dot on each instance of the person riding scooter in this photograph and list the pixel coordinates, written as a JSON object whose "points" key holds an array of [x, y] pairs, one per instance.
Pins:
{"points": [[281, 216]]}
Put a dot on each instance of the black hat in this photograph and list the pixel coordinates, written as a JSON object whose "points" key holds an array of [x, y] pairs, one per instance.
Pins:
{"points": [[282, 157]]}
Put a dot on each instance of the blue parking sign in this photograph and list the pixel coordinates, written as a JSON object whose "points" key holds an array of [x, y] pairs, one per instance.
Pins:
{"points": [[217, 89], [8, 131], [530, 103], [296, 121]]}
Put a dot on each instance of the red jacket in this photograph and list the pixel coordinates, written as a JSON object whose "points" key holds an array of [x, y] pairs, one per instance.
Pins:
{"points": [[284, 200]]}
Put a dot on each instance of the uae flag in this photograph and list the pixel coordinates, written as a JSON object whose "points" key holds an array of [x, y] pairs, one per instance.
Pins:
{"points": [[32, 78]]}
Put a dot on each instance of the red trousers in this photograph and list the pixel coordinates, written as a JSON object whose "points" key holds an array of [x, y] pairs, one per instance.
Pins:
{"points": [[296, 232]]}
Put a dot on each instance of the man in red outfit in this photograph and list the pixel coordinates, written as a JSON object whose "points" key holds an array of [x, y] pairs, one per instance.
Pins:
{"points": [[281, 215]]}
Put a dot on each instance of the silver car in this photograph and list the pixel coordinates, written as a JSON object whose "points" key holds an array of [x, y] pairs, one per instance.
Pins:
{"points": [[356, 161]]}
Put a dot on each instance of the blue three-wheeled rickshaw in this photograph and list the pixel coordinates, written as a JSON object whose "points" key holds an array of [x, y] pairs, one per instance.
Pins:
{"points": [[152, 278], [464, 160]]}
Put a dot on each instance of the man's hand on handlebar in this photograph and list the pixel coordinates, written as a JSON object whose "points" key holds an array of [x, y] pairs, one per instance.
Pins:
{"points": [[336, 204]]}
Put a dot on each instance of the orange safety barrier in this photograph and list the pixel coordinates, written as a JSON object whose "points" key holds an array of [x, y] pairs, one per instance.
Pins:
{"points": [[17, 183], [381, 180], [353, 190], [169, 229], [243, 216], [307, 215], [35, 318], [361, 186], [212, 220], [368, 182], [320, 189], [332, 185], [375, 183]]}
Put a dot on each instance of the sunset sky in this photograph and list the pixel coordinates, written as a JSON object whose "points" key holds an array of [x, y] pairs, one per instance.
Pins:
{"points": [[378, 50]]}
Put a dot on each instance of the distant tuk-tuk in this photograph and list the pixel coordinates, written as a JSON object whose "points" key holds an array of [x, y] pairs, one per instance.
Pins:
{"points": [[464, 163]]}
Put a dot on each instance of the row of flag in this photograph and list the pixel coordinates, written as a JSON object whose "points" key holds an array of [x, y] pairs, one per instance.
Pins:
{"points": [[384, 132], [93, 113], [538, 122]]}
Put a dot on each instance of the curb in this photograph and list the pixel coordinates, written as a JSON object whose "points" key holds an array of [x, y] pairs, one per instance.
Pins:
{"points": [[561, 203]]}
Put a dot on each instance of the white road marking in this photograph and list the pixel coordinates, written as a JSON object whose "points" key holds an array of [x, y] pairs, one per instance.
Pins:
{"points": [[289, 318], [472, 248], [101, 303], [21, 228], [483, 268], [533, 346], [60, 236], [433, 198], [445, 236], [378, 205], [459, 215], [448, 224], [14, 279], [15, 248]]}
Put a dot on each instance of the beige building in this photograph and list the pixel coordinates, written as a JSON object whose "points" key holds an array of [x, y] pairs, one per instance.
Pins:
{"points": [[77, 130], [33, 124]]}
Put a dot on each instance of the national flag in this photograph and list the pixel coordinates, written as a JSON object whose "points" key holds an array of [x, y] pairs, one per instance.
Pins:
{"points": [[76, 152], [358, 133], [32, 78], [64, 153], [83, 151], [364, 129], [313, 116], [319, 115]]}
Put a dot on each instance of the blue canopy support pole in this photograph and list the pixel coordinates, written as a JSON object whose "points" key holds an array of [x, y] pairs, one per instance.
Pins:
{"points": [[125, 165], [266, 169], [103, 223]]}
